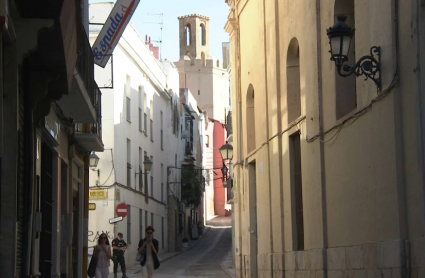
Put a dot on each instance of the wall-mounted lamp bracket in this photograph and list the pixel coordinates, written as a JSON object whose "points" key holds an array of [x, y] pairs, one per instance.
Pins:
{"points": [[369, 66]]}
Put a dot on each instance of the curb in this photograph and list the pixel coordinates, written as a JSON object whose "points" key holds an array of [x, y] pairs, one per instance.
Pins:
{"points": [[225, 269]]}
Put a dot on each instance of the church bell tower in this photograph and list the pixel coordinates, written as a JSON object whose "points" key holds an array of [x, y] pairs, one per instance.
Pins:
{"points": [[194, 36]]}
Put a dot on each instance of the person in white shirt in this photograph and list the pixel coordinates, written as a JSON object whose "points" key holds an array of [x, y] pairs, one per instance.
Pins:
{"points": [[148, 247]]}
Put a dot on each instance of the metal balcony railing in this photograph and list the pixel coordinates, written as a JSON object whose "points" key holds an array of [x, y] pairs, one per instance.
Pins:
{"points": [[85, 66], [97, 127], [94, 128]]}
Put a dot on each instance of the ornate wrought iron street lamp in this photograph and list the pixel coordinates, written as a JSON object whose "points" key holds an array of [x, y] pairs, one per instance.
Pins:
{"points": [[226, 152], [148, 164], [340, 38], [94, 160]]}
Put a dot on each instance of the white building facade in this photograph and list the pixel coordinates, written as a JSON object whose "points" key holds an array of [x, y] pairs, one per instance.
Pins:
{"points": [[141, 119]]}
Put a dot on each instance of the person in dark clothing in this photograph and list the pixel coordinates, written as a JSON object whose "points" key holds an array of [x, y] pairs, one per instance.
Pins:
{"points": [[148, 247], [118, 248]]}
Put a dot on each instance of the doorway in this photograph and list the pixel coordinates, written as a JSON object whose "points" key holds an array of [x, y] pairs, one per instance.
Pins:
{"points": [[252, 179], [75, 228], [64, 223], [46, 202]]}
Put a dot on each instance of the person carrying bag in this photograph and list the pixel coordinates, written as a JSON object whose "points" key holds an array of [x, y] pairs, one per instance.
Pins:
{"points": [[148, 250], [99, 263]]}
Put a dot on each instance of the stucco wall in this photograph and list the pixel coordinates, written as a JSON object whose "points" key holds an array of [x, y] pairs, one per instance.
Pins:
{"points": [[362, 190], [149, 81]]}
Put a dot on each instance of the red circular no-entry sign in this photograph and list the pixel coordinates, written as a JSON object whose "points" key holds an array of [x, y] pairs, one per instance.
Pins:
{"points": [[121, 210]]}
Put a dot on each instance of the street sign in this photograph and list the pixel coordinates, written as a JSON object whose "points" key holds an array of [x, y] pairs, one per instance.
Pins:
{"points": [[98, 194], [114, 220], [121, 210], [92, 206], [112, 30]]}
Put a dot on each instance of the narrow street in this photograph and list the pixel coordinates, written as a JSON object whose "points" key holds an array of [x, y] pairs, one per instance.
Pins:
{"points": [[204, 259]]}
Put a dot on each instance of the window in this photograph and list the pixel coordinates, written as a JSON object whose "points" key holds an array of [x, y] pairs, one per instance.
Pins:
{"points": [[151, 177], [345, 87], [141, 170], [162, 131], [162, 182], [128, 109], [202, 34], [147, 181], [296, 184], [203, 58], [293, 96], [140, 119], [127, 93], [250, 118], [188, 35], [151, 186], [162, 233], [128, 162], [152, 219], [151, 118], [145, 120], [141, 224], [140, 108], [146, 219], [128, 223]]}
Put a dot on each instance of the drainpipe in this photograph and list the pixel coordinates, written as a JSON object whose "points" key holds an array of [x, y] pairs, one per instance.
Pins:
{"points": [[321, 130], [85, 215]]}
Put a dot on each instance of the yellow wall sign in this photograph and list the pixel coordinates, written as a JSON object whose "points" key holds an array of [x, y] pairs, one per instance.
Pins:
{"points": [[92, 206], [98, 194]]}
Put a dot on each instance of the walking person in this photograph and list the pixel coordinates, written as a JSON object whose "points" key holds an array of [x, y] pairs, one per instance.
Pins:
{"points": [[148, 247], [102, 252], [119, 246]]}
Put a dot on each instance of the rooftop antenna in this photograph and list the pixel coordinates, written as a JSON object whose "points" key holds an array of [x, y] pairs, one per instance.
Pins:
{"points": [[161, 23]]}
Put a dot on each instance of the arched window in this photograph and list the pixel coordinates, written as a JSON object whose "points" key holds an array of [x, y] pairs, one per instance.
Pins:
{"points": [[345, 87], [188, 35], [250, 119], [293, 94], [203, 58], [202, 34]]}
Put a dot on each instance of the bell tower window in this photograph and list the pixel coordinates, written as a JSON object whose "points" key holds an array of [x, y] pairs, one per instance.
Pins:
{"points": [[188, 35], [202, 34]]}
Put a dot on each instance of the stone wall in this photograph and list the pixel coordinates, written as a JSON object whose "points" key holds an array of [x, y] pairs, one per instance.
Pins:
{"points": [[391, 259]]}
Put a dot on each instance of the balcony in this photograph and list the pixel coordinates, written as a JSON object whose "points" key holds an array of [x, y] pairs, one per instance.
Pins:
{"points": [[80, 103], [89, 136]]}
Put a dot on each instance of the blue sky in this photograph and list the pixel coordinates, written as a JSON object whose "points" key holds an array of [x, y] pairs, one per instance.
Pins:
{"points": [[216, 10]]}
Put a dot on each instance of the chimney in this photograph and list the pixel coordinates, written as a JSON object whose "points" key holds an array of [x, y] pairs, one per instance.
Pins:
{"points": [[153, 49]]}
